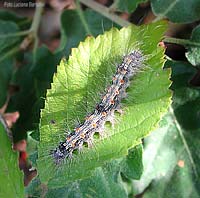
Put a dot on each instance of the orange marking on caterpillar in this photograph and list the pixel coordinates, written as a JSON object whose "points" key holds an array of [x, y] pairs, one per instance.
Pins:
{"points": [[73, 143], [82, 135], [103, 114], [77, 130], [122, 82], [112, 102], [94, 125]]}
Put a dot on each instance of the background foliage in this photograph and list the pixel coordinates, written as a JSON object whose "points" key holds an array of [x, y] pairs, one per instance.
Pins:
{"points": [[166, 164]]}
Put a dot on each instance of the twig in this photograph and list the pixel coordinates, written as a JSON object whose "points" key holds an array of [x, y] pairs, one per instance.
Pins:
{"points": [[178, 41], [105, 12]]}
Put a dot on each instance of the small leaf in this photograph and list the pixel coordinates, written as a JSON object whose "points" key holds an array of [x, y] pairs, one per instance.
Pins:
{"points": [[11, 16], [132, 166], [127, 5], [7, 27], [35, 188], [11, 177], [174, 9], [81, 80], [32, 148], [6, 65], [193, 54]]}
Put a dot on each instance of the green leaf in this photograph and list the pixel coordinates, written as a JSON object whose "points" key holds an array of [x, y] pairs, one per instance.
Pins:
{"points": [[167, 162], [32, 80], [96, 24], [5, 75], [183, 92], [6, 28], [35, 189], [81, 79], [127, 5], [6, 65], [193, 54], [132, 166], [106, 178], [171, 158], [11, 16], [32, 148], [11, 177], [7, 47], [174, 9]]}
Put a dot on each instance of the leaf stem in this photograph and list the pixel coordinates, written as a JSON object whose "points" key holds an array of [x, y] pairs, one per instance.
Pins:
{"points": [[183, 42], [9, 53], [35, 25], [105, 12], [37, 16], [82, 17], [21, 33]]}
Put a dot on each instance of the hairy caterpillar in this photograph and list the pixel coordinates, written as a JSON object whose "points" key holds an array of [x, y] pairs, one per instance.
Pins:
{"points": [[103, 111]]}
